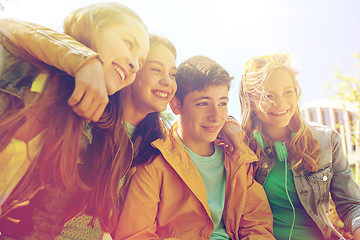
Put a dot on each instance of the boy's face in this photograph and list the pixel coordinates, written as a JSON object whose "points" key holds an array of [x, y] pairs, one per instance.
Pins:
{"points": [[202, 114]]}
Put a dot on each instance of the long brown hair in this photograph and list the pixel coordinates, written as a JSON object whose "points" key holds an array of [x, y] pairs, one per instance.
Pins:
{"points": [[107, 157], [56, 163], [110, 151], [303, 145], [110, 154]]}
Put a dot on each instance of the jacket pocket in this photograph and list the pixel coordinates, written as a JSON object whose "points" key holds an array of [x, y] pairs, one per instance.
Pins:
{"points": [[320, 183]]}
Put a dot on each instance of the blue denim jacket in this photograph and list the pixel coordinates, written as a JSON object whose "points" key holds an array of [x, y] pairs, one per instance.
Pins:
{"points": [[334, 176]]}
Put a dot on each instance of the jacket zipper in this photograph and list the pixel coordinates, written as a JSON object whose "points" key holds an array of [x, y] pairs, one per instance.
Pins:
{"points": [[72, 50]]}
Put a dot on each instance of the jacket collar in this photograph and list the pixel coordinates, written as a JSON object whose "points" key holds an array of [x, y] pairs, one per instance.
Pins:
{"points": [[174, 153]]}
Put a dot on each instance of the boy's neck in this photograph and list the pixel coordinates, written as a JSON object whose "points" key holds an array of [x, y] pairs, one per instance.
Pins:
{"points": [[202, 148]]}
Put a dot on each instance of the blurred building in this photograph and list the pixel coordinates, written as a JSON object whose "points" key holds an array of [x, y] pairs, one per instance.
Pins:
{"points": [[341, 117]]}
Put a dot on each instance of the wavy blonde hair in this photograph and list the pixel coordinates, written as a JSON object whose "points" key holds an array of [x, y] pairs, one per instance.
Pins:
{"points": [[303, 146], [85, 23]]}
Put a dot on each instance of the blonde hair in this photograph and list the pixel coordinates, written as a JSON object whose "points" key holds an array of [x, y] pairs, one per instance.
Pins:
{"points": [[303, 146], [85, 23]]}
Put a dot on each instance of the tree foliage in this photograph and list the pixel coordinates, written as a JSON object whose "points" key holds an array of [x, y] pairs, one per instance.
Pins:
{"points": [[168, 117], [347, 91]]}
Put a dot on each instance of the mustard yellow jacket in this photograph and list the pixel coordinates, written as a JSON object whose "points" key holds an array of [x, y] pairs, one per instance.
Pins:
{"points": [[167, 198], [36, 44]]}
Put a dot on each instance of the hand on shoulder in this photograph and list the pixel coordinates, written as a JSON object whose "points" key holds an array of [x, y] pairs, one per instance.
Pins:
{"points": [[90, 97]]}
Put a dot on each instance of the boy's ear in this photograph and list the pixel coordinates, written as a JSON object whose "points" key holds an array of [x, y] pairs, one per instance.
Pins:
{"points": [[175, 105]]}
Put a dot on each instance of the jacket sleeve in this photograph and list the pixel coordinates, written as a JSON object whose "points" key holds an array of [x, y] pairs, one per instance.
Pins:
{"points": [[257, 220], [31, 41], [344, 191], [138, 216]]}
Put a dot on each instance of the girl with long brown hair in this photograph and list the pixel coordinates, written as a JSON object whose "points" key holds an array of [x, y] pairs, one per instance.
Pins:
{"points": [[54, 164]]}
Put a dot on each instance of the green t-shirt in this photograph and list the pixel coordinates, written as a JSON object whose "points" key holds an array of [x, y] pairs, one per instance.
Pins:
{"points": [[304, 227], [213, 174], [130, 129]]}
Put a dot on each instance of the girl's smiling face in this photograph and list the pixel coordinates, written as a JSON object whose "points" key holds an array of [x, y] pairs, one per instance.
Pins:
{"points": [[277, 102], [155, 83], [123, 49]]}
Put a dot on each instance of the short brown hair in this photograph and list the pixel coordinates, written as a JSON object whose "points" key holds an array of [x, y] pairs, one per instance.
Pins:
{"points": [[197, 73]]}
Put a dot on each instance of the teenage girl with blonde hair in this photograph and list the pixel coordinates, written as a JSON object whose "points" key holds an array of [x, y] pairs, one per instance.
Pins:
{"points": [[301, 163]]}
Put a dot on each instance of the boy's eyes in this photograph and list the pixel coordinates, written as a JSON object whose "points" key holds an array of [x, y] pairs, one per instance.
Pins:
{"points": [[202, 104], [223, 104], [206, 104]]}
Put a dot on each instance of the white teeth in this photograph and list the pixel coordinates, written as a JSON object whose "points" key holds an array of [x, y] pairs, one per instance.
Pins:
{"points": [[279, 113], [121, 73], [161, 94]]}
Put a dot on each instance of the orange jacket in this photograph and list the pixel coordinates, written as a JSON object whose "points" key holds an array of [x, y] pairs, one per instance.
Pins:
{"points": [[167, 198]]}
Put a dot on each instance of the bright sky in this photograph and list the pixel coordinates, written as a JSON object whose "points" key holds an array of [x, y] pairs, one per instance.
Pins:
{"points": [[318, 34]]}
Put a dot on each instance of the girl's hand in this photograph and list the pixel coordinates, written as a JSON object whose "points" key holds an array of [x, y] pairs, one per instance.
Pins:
{"points": [[90, 97], [231, 135]]}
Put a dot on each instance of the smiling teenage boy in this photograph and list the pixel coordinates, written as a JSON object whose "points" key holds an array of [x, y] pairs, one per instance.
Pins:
{"points": [[194, 190]]}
